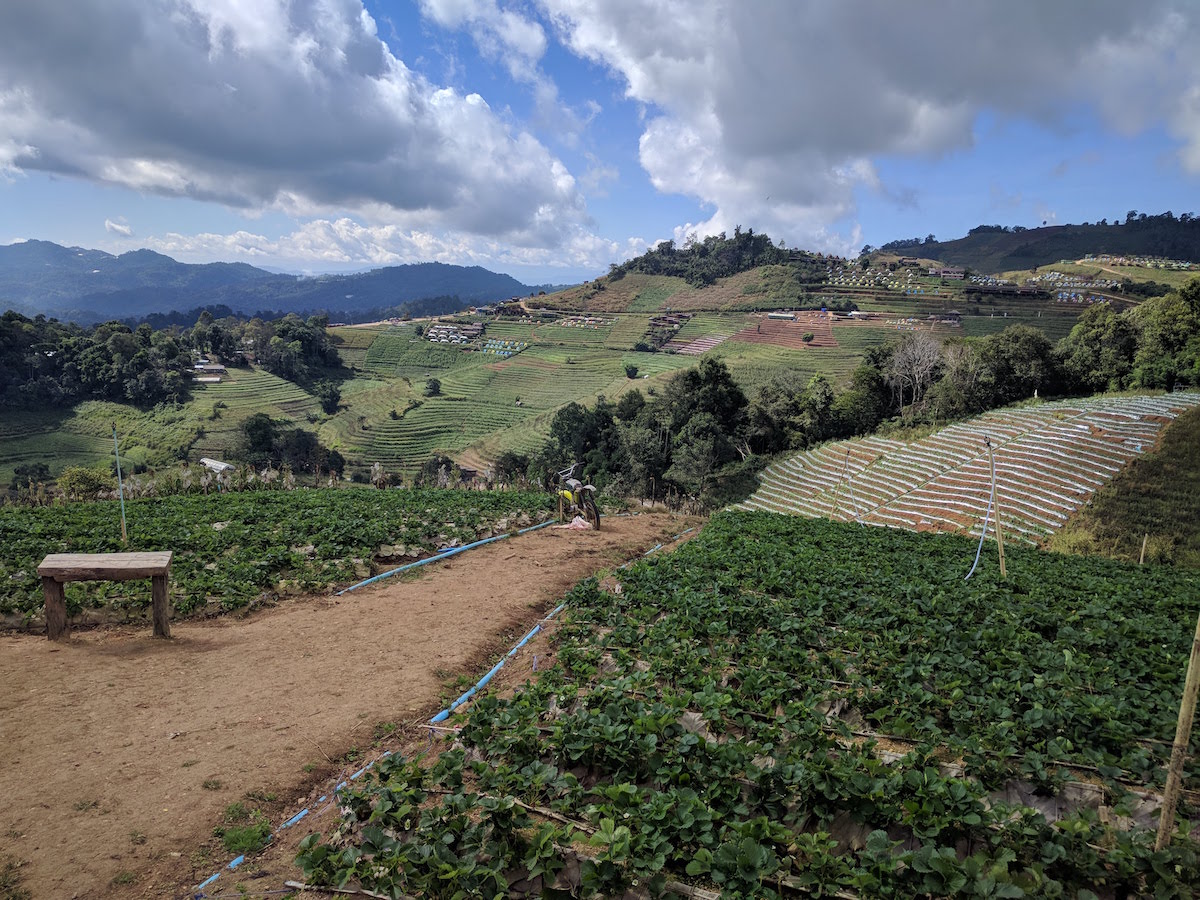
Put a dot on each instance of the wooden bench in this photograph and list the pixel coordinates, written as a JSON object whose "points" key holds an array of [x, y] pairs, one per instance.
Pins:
{"points": [[59, 568]]}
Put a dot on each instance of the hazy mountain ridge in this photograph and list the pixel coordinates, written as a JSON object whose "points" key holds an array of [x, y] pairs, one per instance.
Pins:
{"points": [[92, 286]]}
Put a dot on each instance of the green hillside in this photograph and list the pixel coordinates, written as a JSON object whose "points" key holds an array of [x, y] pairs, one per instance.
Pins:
{"points": [[992, 249]]}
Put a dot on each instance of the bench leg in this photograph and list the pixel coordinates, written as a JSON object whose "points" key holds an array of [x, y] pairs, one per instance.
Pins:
{"points": [[162, 614], [56, 610]]}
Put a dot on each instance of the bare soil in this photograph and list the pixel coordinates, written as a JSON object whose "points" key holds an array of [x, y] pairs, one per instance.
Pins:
{"points": [[119, 752]]}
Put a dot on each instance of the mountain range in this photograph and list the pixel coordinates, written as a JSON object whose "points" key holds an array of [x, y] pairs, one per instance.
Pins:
{"points": [[88, 286]]}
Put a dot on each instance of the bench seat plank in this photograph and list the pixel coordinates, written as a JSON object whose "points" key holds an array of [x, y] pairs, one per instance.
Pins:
{"points": [[105, 566], [58, 568]]}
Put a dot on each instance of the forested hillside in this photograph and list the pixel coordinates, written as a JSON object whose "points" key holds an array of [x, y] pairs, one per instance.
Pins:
{"points": [[997, 248], [89, 286]]}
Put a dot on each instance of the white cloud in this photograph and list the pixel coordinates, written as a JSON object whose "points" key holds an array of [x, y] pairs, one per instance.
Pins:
{"points": [[324, 244], [793, 99], [119, 226], [500, 34], [271, 105]]}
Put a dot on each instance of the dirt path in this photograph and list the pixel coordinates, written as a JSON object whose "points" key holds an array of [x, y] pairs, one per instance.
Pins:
{"points": [[119, 752]]}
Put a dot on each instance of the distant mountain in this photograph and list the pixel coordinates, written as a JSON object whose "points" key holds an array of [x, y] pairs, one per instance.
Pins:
{"points": [[995, 248], [90, 286]]}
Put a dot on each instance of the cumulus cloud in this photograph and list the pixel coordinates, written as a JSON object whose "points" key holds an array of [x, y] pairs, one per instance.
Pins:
{"points": [[791, 99], [270, 105], [119, 226], [500, 34], [325, 244]]}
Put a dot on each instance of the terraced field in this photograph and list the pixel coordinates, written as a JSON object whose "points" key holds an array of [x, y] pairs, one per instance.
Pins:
{"points": [[790, 334], [1050, 458], [628, 330], [636, 292], [755, 364], [352, 343], [400, 352]]}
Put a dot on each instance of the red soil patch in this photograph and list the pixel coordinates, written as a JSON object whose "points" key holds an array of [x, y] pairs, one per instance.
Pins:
{"points": [[790, 334]]}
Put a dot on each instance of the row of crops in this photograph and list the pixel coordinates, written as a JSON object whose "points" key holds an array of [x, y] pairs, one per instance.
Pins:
{"points": [[787, 706], [1049, 459], [232, 548]]}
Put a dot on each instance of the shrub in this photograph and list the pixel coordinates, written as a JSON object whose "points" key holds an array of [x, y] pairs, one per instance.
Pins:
{"points": [[82, 483]]}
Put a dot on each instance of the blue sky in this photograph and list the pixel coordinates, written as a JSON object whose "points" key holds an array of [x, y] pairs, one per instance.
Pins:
{"points": [[550, 138]]}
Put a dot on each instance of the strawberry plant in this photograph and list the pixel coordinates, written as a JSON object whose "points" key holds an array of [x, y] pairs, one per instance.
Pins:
{"points": [[231, 548], [786, 704]]}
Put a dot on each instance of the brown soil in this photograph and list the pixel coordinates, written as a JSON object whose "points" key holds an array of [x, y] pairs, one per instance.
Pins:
{"points": [[783, 333], [119, 752]]}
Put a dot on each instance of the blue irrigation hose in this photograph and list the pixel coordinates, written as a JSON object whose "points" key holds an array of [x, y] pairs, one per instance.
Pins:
{"points": [[445, 554], [986, 516], [445, 713]]}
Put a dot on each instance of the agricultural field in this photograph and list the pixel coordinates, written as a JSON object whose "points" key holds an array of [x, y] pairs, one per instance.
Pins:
{"points": [[1153, 501], [1049, 459], [385, 417], [234, 548], [636, 292], [795, 706], [352, 343], [209, 425]]}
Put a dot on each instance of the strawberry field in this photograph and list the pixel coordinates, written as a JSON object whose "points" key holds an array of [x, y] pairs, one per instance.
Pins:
{"points": [[231, 548], [788, 707]]}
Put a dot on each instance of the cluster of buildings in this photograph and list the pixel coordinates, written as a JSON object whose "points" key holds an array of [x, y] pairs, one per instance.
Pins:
{"points": [[1145, 262], [441, 333]]}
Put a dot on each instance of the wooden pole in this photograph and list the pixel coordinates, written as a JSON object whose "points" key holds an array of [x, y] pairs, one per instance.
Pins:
{"points": [[1142, 558], [162, 613], [56, 609], [996, 507], [1183, 736]]}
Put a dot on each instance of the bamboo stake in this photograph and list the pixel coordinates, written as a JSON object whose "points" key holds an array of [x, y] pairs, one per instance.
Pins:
{"points": [[120, 487], [996, 507], [1183, 736], [1142, 558]]}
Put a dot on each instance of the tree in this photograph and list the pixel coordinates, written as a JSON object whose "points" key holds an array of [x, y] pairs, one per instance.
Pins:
{"points": [[27, 473], [433, 387], [774, 418], [82, 483], [1016, 363], [258, 438], [711, 389], [699, 450], [510, 467], [1098, 353], [630, 404], [1168, 342], [631, 371], [330, 396], [913, 366]]}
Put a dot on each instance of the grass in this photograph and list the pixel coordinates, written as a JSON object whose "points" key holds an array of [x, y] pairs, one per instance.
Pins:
{"points": [[243, 830], [1155, 498], [10, 880]]}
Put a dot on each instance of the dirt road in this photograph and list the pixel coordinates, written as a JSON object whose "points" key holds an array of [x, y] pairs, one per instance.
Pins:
{"points": [[119, 752]]}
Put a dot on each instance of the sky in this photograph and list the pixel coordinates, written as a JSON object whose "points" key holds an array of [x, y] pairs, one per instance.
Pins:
{"points": [[549, 139]]}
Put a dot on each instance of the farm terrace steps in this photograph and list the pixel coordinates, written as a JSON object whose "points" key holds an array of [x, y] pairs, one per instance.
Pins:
{"points": [[1050, 458]]}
